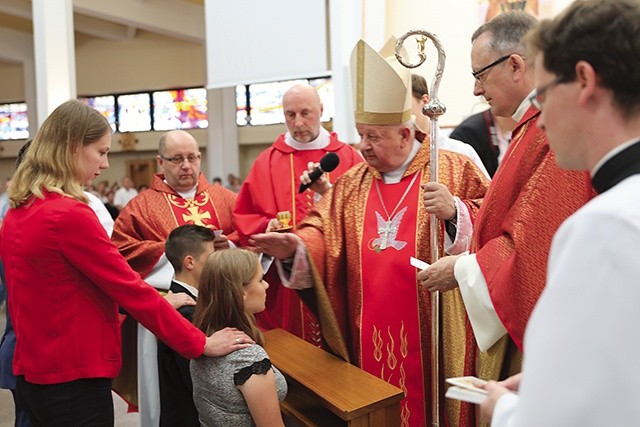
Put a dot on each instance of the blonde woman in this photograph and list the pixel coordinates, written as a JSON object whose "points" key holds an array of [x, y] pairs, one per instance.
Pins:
{"points": [[66, 280], [242, 388]]}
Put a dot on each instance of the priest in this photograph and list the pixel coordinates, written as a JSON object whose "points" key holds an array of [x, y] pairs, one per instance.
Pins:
{"points": [[179, 195], [504, 275], [272, 186]]}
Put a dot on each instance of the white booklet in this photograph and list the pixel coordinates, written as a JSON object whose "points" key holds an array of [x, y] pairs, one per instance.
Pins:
{"points": [[467, 389]]}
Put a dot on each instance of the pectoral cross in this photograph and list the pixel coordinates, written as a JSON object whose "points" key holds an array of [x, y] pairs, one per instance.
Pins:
{"points": [[196, 216]]}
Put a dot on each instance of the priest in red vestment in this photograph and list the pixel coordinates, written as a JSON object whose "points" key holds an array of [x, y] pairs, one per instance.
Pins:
{"points": [[180, 195], [352, 251], [529, 197], [272, 186]]}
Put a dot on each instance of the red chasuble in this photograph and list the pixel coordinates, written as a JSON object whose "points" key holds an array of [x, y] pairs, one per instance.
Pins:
{"points": [[529, 197], [145, 222], [271, 187], [372, 311]]}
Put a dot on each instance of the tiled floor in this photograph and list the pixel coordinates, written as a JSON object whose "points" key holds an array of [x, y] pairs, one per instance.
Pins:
{"points": [[7, 411]]}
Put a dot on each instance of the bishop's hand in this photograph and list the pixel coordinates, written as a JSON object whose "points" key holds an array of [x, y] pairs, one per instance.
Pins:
{"points": [[439, 276], [278, 245], [438, 200], [221, 242]]}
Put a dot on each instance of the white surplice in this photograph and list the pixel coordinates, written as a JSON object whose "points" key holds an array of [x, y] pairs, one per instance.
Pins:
{"points": [[582, 344]]}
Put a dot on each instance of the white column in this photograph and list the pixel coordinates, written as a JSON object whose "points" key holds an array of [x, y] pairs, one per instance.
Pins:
{"points": [[54, 49], [222, 137]]}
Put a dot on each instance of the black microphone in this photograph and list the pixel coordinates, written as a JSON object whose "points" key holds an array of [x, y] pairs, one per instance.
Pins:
{"points": [[327, 163]]}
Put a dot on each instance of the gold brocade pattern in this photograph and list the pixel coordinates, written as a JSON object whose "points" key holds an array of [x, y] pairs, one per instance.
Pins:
{"points": [[333, 232], [195, 215], [199, 210]]}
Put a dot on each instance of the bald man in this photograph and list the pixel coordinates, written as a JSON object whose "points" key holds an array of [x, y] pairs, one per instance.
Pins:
{"points": [[272, 186]]}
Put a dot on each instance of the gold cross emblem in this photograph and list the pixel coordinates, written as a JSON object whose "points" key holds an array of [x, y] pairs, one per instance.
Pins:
{"points": [[196, 216]]}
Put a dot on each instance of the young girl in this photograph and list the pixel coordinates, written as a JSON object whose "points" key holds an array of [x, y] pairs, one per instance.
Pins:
{"points": [[242, 388]]}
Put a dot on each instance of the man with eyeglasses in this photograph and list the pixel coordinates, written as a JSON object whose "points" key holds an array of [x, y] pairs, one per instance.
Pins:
{"points": [[582, 343], [179, 195], [502, 277]]}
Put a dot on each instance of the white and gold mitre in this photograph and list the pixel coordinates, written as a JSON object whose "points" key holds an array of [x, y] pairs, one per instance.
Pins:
{"points": [[381, 85]]}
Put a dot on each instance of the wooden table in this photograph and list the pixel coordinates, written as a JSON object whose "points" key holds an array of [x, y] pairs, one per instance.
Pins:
{"points": [[327, 391]]}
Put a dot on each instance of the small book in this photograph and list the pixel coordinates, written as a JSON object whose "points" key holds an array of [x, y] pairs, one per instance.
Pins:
{"points": [[467, 389]]}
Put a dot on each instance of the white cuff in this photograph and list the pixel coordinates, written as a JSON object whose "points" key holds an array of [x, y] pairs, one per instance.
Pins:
{"points": [[485, 323], [464, 228], [300, 276]]}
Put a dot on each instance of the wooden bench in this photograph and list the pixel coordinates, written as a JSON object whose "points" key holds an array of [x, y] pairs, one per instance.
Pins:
{"points": [[327, 391]]}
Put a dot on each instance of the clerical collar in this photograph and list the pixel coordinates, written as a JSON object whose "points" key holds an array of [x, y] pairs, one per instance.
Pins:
{"points": [[395, 176], [188, 195], [321, 141], [188, 287], [618, 164], [522, 108]]}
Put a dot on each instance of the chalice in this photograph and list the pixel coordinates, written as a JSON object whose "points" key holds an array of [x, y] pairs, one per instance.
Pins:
{"points": [[284, 217]]}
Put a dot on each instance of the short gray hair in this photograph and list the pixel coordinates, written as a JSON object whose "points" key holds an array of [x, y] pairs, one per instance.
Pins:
{"points": [[507, 30]]}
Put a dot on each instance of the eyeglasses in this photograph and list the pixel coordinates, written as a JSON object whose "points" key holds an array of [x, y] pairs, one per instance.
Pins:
{"points": [[478, 74], [537, 97], [178, 160]]}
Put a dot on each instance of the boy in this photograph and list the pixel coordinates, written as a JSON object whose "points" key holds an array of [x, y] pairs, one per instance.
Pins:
{"points": [[187, 249]]}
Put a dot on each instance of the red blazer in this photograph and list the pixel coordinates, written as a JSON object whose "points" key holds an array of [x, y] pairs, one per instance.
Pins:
{"points": [[66, 280]]}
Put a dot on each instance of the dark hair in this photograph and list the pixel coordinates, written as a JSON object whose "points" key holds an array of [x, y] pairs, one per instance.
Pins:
{"points": [[419, 86], [23, 152], [221, 293], [186, 240], [507, 31], [604, 33]]}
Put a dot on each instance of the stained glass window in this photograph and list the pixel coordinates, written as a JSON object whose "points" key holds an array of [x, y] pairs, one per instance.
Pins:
{"points": [[242, 116], [180, 109], [134, 112], [14, 123], [105, 105], [324, 86], [265, 101]]}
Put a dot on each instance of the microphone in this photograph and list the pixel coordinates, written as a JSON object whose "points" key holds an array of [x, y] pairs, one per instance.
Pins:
{"points": [[328, 162]]}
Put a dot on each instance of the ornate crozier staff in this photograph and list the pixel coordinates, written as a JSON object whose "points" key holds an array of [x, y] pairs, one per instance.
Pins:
{"points": [[433, 110]]}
